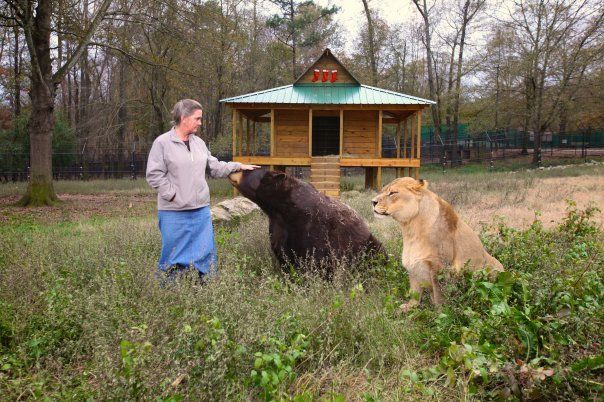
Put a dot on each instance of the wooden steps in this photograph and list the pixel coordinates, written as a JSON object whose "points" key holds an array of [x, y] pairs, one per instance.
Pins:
{"points": [[325, 174]]}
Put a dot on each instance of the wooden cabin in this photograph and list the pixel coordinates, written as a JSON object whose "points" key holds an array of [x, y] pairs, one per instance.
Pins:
{"points": [[327, 120]]}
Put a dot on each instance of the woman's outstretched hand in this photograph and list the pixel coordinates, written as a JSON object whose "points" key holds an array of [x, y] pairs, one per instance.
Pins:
{"points": [[249, 167]]}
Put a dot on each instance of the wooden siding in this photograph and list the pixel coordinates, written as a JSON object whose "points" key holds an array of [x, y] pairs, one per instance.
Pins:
{"points": [[327, 63], [291, 133], [360, 133]]}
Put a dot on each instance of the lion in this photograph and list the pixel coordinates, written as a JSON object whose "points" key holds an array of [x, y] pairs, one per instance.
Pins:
{"points": [[434, 237]]}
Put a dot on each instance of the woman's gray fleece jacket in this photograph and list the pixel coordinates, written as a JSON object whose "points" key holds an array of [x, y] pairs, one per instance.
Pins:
{"points": [[179, 174]]}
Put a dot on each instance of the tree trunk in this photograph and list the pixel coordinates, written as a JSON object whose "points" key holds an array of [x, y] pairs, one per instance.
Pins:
{"points": [[294, 39], [41, 122], [72, 96], [403, 67], [370, 38], [122, 113], [82, 120], [449, 97], [43, 84], [17, 72], [527, 115], [60, 50], [497, 97], [470, 9], [451, 81], [423, 9], [40, 190], [537, 135], [455, 136]]}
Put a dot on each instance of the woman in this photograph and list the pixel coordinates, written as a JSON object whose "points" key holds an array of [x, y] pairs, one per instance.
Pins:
{"points": [[176, 169]]}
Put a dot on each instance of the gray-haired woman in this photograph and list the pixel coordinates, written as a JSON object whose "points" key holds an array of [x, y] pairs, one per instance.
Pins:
{"points": [[176, 169]]}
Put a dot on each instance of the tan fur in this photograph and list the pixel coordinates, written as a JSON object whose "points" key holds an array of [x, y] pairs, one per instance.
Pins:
{"points": [[434, 237]]}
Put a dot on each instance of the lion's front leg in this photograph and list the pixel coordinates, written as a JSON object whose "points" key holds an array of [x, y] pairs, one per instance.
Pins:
{"points": [[437, 295], [423, 274], [416, 295], [419, 279]]}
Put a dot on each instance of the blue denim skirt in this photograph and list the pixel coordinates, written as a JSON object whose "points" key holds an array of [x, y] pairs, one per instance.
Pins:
{"points": [[187, 239]]}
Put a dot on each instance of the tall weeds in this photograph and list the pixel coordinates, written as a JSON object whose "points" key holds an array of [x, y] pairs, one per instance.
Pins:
{"points": [[83, 316]]}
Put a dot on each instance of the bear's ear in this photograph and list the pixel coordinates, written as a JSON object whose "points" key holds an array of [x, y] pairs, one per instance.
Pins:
{"points": [[279, 175], [423, 184]]}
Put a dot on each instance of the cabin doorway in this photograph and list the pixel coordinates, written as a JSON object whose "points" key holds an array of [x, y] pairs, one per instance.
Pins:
{"points": [[325, 135]]}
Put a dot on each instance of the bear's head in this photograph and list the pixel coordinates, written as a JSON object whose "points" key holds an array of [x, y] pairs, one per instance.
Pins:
{"points": [[260, 186]]}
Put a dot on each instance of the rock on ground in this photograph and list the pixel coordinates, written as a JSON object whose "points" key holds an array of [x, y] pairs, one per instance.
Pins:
{"points": [[227, 210]]}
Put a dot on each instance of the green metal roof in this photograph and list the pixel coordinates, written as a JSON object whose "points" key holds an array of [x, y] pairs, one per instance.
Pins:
{"points": [[331, 94]]}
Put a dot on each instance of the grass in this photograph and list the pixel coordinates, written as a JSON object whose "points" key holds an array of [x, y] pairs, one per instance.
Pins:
{"points": [[83, 316], [220, 187]]}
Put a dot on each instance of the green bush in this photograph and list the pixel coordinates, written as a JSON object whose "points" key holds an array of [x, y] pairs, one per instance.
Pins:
{"points": [[534, 332]]}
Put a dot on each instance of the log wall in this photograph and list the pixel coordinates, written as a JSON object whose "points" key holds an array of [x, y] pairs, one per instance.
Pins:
{"points": [[360, 133], [291, 132]]}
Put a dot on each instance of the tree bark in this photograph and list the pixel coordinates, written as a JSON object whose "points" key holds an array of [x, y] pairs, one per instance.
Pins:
{"points": [[40, 190], [423, 10], [43, 84], [450, 85], [122, 113], [370, 39], [17, 72], [294, 39], [469, 11]]}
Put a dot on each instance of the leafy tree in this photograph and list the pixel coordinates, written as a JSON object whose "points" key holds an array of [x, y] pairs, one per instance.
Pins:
{"points": [[34, 17], [297, 26]]}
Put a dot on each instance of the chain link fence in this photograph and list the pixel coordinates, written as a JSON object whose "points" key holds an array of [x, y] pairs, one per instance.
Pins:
{"points": [[488, 147]]}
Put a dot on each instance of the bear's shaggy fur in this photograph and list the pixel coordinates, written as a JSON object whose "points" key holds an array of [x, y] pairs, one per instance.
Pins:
{"points": [[304, 223]]}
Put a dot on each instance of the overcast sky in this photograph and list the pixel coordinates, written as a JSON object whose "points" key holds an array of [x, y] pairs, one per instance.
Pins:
{"points": [[352, 14]]}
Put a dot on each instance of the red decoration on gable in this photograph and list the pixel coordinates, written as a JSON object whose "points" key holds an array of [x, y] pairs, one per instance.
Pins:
{"points": [[325, 75], [315, 76], [334, 75]]}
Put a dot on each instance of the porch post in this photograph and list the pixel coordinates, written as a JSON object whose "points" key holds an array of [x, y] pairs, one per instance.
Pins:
{"points": [[254, 137], [419, 141], [310, 132], [234, 124], [379, 139], [272, 138], [247, 137], [398, 147], [240, 134], [234, 151], [341, 132], [378, 173], [405, 130], [405, 124]]}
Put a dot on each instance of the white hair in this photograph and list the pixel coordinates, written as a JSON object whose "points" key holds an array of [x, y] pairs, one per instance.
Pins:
{"points": [[184, 108]]}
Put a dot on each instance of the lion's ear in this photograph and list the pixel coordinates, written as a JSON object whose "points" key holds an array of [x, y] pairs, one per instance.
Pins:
{"points": [[423, 184]]}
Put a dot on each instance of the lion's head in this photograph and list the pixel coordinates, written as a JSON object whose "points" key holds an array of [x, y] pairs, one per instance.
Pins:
{"points": [[399, 199]]}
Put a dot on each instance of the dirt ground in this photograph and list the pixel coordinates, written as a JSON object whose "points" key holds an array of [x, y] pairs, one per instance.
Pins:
{"points": [[79, 206], [547, 196]]}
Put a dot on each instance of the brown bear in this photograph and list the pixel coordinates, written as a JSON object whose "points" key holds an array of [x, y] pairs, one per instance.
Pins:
{"points": [[305, 224]]}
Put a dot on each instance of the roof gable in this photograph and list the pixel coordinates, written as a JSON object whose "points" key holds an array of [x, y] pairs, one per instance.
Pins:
{"points": [[326, 65]]}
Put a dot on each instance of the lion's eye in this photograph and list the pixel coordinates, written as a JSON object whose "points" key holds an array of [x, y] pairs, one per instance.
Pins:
{"points": [[392, 193]]}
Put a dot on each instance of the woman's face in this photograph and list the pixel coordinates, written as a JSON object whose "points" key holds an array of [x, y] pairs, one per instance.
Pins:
{"points": [[191, 123]]}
